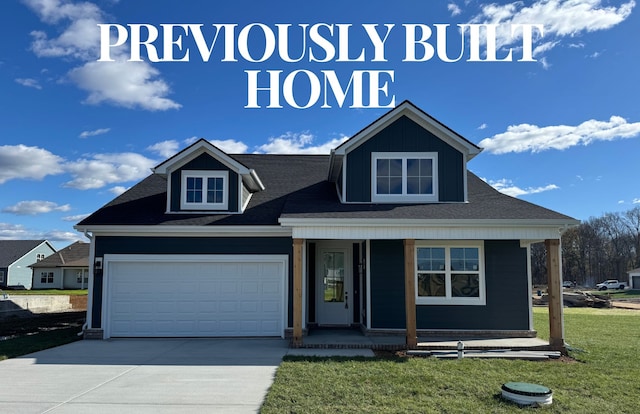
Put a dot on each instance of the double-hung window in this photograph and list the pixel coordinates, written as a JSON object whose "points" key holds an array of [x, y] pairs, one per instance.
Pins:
{"points": [[404, 177], [46, 277], [204, 190], [450, 273]]}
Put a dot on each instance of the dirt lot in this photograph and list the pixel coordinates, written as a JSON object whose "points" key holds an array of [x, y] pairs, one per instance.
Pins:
{"points": [[22, 326]]}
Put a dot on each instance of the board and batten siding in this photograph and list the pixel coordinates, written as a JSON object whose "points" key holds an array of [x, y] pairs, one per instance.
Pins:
{"points": [[404, 135], [506, 282], [189, 245], [208, 163]]}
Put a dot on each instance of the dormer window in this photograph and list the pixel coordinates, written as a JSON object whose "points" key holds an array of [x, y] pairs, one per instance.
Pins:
{"points": [[204, 190], [404, 177]]}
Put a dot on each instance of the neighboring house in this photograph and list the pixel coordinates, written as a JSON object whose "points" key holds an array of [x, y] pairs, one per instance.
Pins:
{"points": [[68, 268], [15, 258], [634, 278], [390, 234]]}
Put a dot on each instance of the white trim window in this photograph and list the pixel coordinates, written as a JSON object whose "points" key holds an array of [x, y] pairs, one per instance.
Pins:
{"points": [[205, 190], [39, 256], [404, 177], [46, 277], [450, 273]]}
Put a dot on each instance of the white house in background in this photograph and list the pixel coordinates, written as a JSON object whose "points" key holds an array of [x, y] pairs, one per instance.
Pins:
{"points": [[15, 258], [634, 278], [65, 269]]}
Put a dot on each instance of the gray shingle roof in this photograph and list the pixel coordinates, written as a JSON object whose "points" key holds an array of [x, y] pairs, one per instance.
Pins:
{"points": [[12, 250], [297, 187], [74, 255]]}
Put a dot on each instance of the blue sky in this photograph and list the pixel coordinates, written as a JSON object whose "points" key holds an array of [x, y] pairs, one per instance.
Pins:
{"points": [[562, 132]]}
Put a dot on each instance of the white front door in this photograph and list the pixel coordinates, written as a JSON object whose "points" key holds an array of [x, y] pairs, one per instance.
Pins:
{"points": [[334, 286]]}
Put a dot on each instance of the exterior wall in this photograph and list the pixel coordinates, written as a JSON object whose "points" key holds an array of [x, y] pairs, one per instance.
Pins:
{"points": [[507, 306], [188, 245], [404, 135], [70, 278], [19, 272], [204, 162], [634, 280], [57, 278]]}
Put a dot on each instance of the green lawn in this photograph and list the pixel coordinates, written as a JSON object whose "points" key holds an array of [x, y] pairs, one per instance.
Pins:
{"points": [[71, 292], [605, 378], [618, 294]]}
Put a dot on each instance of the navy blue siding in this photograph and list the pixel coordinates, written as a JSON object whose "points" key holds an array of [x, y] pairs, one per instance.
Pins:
{"points": [[204, 162], [189, 245], [507, 306], [404, 135], [387, 284]]}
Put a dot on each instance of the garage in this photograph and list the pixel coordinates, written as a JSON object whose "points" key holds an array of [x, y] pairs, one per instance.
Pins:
{"points": [[195, 295], [635, 282]]}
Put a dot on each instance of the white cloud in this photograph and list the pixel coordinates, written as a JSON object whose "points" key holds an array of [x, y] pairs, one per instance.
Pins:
{"points": [[21, 161], [118, 189], [191, 140], [507, 187], [594, 55], [34, 207], [483, 126], [102, 169], [636, 201], [119, 83], [76, 218], [298, 143], [561, 19], [10, 231], [620, 201], [454, 9], [100, 131], [78, 39], [165, 149], [230, 146], [127, 84], [526, 137], [29, 83]]}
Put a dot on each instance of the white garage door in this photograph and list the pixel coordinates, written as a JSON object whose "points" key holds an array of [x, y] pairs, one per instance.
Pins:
{"points": [[191, 296]]}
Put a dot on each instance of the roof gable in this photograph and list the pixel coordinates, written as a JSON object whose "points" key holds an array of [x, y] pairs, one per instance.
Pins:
{"points": [[74, 255], [409, 110], [202, 146], [13, 250]]}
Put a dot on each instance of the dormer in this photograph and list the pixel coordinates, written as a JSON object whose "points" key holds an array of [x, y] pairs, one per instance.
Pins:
{"points": [[406, 156], [204, 179]]}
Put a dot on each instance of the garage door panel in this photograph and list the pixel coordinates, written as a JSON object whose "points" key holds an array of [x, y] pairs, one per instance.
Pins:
{"points": [[182, 298]]}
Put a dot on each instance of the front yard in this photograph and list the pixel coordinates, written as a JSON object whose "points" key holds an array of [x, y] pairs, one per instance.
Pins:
{"points": [[603, 379]]}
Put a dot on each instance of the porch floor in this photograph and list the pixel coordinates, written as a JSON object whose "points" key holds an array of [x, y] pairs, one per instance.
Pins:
{"points": [[349, 338]]}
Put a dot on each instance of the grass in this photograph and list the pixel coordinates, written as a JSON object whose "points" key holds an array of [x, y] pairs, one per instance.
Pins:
{"points": [[23, 345], [71, 292], [618, 294], [21, 336], [604, 379]]}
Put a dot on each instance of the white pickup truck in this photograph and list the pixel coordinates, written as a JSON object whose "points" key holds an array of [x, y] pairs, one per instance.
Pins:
{"points": [[610, 284]]}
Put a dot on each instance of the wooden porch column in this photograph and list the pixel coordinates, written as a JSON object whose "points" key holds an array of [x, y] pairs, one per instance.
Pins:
{"points": [[297, 292], [410, 292], [554, 289]]}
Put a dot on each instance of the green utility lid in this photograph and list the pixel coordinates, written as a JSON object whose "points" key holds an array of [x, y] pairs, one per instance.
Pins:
{"points": [[524, 388]]}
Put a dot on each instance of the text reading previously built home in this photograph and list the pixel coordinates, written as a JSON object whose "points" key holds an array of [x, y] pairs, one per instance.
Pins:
{"points": [[289, 44]]}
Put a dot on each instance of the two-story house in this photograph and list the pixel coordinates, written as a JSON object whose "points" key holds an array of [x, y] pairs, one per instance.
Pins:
{"points": [[389, 233]]}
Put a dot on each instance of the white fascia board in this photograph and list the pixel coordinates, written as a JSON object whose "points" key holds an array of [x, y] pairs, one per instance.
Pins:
{"points": [[190, 153], [188, 231], [422, 119], [385, 222], [426, 229]]}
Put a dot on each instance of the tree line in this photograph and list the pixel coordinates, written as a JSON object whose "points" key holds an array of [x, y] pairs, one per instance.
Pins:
{"points": [[599, 248]]}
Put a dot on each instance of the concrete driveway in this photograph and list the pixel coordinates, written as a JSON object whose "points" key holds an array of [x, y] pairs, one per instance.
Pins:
{"points": [[143, 376]]}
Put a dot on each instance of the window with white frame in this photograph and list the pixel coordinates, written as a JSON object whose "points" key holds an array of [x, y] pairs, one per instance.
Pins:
{"points": [[204, 190], [39, 257], [450, 273], [46, 277], [82, 276], [404, 177]]}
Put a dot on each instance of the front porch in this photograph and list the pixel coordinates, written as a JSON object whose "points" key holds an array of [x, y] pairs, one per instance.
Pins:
{"points": [[409, 338]]}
